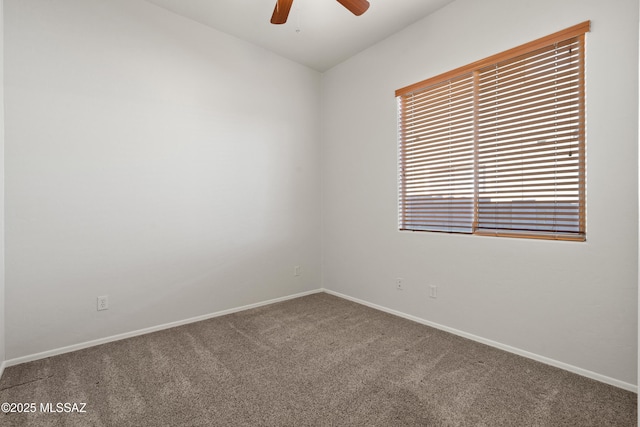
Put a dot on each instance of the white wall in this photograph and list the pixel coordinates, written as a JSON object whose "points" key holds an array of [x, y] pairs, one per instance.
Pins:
{"points": [[572, 303], [2, 305], [150, 159]]}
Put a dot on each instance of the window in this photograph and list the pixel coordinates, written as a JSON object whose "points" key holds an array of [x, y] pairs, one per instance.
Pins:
{"points": [[498, 147]]}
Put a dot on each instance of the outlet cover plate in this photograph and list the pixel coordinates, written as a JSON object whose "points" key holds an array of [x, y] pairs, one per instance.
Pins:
{"points": [[103, 303]]}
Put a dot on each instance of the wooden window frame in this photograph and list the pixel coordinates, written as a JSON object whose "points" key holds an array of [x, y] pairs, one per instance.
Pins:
{"points": [[472, 71]]}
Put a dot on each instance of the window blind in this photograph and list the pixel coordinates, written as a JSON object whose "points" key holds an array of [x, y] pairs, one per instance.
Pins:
{"points": [[437, 157], [498, 147]]}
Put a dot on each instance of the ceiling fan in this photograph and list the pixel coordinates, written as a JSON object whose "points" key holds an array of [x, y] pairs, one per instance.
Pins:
{"points": [[281, 12]]}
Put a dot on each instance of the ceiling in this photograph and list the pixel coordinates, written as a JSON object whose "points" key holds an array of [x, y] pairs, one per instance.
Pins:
{"points": [[318, 33]]}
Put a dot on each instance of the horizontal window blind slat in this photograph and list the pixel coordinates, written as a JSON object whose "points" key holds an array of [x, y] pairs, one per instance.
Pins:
{"points": [[542, 55], [543, 130], [437, 206], [563, 102], [488, 108], [508, 87], [554, 59], [440, 124], [544, 140], [562, 111], [425, 106], [569, 216], [455, 134]]}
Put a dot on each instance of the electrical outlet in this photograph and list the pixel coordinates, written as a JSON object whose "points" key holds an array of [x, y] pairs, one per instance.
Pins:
{"points": [[433, 291], [399, 284], [297, 271], [103, 303]]}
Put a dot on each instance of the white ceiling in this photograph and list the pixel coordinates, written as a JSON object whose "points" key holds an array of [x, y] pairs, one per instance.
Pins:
{"points": [[318, 33]]}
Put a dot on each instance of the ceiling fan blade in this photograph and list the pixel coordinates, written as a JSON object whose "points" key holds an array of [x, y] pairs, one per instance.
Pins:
{"points": [[357, 7], [281, 12]]}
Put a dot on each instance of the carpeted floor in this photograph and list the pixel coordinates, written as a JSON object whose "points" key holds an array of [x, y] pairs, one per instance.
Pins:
{"points": [[313, 361]]}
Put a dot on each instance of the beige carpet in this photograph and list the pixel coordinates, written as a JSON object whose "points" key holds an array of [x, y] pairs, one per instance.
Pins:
{"points": [[313, 361]]}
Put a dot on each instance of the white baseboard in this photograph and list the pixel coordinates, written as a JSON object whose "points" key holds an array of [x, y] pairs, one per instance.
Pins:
{"points": [[576, 370], [87, 344], [2, 366]]}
